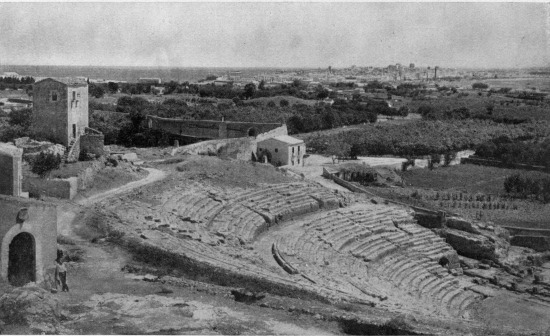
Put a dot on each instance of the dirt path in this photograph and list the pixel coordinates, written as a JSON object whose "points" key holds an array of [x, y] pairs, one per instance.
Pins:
{"points": [[154, 175]]}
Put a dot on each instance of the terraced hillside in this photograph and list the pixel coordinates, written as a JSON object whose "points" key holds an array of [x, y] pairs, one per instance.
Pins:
{"points": [[305, 237]]}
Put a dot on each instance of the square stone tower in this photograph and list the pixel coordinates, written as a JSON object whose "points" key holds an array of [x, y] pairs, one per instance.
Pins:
{"points": [[60, 109]]}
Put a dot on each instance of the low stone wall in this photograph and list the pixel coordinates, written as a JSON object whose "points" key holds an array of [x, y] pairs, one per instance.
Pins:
{"points": [[238, 148], [537, 243], [345, 184], [518, 231], [60, 188], [500, 164]]}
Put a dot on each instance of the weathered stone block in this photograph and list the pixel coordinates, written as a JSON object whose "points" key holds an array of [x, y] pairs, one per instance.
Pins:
{"points": [[462, 225]]}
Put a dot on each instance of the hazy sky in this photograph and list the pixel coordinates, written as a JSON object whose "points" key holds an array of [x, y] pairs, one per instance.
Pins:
{"points": [[276, 34]]}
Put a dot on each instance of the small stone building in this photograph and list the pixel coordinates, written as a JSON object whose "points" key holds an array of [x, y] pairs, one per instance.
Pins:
{"points": [[28, 228], [283, 150]]}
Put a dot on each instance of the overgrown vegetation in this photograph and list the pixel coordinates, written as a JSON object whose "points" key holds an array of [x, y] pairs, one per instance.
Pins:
{"points": [[528, 187], [45, 162], [509, 151], [419, 138]]}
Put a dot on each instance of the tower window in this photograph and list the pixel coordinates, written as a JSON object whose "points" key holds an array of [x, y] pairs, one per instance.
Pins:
{"points": [[53, 96]]}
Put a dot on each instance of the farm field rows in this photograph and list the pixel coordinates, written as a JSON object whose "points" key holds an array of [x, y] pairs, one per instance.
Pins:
{"points": [[472, 191]]}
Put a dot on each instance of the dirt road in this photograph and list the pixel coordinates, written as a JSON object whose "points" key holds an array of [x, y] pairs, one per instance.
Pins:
{"points": [[154, 175]]}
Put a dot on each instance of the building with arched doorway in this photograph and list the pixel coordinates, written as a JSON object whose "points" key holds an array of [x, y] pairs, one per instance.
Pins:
{"points": [[28, 240]]}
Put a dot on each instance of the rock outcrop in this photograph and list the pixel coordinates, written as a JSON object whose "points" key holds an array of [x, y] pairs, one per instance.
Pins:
{"points": [[472, 241], [32, 148], [31, 306]]}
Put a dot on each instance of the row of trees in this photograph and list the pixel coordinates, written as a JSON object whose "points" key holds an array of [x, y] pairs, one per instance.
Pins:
{"points": [[528, 187], [510, 151], [14, 80]]}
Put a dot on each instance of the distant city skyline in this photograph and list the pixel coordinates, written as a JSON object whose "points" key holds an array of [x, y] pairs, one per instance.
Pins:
{"points": [[276, 35]]}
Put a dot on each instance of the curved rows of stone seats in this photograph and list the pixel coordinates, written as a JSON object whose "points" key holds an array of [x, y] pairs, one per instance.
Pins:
{"points": [[194, 206], [281, 202], [390, 242], [238, 221], [319, 263], [249, 212]]}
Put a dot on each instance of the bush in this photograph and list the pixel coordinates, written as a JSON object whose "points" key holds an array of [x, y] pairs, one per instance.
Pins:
{"points": [[45, 162], [479, 86], [21, 117]]}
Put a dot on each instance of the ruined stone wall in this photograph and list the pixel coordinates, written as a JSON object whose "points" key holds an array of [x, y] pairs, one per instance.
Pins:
{"points": [[239, 148], [10, 170], [210, 129], [40, 222], [537, 243], [60, 188], [519, 231], [50, 117]]}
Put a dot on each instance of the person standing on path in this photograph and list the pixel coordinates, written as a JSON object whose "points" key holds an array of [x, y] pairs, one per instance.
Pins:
{"points": [[61, 273]]}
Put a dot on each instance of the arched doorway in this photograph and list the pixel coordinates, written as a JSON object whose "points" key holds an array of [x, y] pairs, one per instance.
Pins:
{"points": [[22, 259]]}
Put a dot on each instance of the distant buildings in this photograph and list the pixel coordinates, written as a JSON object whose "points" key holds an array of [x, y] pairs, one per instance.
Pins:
{"points": [[150, 81], [11, 75]]}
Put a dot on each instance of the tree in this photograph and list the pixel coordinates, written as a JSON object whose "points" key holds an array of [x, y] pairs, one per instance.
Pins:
{"points": [[21, 117], [338, 149], [170, 87], [96, 91], [45, 162], [284, 103], [297, 83], [480, 86], [249, 90], [403, 111], [113, 87], [261, 86], [427, 112]]}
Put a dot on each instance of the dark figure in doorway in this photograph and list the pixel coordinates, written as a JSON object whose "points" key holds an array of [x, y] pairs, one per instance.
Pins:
{"points": [[61, 273]]}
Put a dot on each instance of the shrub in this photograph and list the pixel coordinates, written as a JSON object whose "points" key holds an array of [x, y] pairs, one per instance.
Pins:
{"points": [[45, 162], [478, 86]]}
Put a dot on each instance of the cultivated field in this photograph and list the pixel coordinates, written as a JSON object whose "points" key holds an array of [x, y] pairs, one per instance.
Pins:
{"points": [[465, 177], [472, 191]]}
